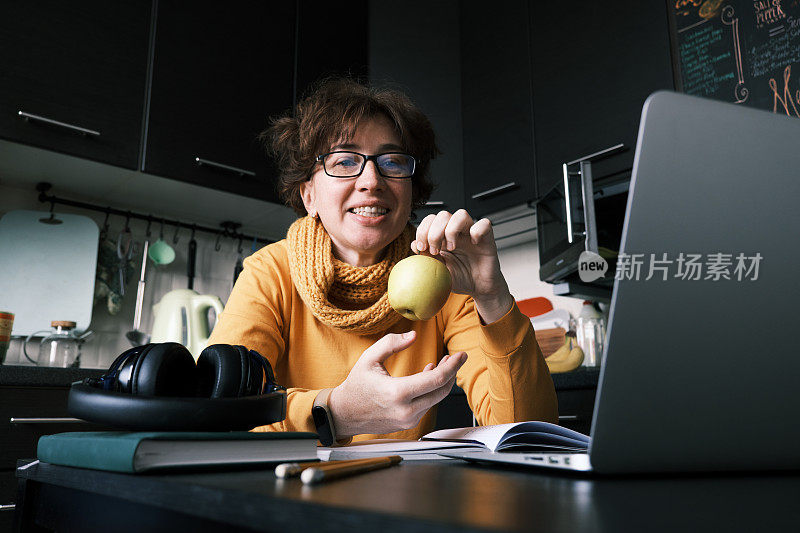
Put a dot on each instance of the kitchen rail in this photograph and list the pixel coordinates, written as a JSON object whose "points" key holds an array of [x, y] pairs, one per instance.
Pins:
{"points": [[228, 228]]}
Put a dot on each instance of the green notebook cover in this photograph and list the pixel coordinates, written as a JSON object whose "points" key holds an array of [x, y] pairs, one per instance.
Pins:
{"points": [[116, 451]]}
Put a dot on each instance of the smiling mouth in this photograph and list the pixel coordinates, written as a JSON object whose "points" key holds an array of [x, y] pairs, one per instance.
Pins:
{"points": [[369, 211]]}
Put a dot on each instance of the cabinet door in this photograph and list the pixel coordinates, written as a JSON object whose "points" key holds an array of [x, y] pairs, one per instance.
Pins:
{"points": [[447, 195], [77, 70], [418, 52], [496, 105], [593, 66], [331, 41], [575, 408], [19, 438], [220, 71]]}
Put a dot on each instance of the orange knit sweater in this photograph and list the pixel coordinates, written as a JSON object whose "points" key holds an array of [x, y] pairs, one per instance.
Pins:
{"points": [[505, 376]]}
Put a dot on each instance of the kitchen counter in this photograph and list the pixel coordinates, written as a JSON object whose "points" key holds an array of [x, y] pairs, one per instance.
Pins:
{"points": [[34, 376], [580, 378]]}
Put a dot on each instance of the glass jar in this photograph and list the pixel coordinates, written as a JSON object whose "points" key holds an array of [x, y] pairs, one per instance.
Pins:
{"points": [[590, 332], [61, 348]]}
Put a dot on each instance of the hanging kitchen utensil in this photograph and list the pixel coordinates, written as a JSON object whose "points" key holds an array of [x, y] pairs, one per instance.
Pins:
{"points": [[237, 269], [124, 253], [137, 337], [190, 260], [104, 230], [161, 253]]}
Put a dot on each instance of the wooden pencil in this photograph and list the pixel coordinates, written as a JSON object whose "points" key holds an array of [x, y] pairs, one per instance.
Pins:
{"points": [[325, 472], [285, 470]]}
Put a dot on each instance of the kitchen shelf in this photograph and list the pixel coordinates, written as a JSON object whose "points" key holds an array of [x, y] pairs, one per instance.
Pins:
{"points": [[22, 167]]}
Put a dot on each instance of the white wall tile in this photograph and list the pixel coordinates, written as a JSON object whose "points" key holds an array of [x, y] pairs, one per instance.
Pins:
{"points": [[520, 266]]}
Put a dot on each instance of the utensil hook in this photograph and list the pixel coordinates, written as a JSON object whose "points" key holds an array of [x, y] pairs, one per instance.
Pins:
{"points": [[149, 221], [161, 233], [175, 236], [104, 231], [239, 249], [52, 220], [217, 244]]}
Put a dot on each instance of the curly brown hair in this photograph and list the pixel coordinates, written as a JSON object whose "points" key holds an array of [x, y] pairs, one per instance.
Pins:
{"points": [[331, 112]]}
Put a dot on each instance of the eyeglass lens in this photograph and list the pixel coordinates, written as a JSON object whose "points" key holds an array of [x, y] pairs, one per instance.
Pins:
{"points": [[350, 164]]}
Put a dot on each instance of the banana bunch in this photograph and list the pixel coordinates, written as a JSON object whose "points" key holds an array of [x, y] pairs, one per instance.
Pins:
{"points": [[568, 357]]}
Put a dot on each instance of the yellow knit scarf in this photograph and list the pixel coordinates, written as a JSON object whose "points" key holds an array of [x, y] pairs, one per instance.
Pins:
{"points": [[339, 295]]}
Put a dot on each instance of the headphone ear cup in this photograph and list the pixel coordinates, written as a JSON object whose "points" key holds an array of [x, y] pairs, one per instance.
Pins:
{"points": [[127, 361], [165, 369], [226, 371], [256, 378], [122, 358]]}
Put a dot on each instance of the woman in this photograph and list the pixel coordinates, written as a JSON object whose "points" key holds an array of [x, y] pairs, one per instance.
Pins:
{"points": [[354, 161]]}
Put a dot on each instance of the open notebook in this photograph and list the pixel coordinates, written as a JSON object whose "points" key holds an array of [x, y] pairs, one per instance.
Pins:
{"points": [[519, 437]]}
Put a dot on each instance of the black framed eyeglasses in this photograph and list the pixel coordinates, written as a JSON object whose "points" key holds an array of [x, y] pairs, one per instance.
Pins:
{"points": [[346, 164]]}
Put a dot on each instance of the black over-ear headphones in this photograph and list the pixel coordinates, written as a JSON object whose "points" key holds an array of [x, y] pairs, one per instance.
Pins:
{"points": [[158, 387]]}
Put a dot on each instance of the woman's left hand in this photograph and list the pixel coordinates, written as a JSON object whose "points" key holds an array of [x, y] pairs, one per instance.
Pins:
{"points": [[469, 251]]}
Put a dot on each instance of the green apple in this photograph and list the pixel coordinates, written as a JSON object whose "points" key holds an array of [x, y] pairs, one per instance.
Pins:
{"points": [[419, 286]]}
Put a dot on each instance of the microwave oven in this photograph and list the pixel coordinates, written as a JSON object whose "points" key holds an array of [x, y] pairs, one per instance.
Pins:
{"points": [[581, 214]]}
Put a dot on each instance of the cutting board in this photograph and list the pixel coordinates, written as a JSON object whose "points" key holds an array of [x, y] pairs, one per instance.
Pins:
{"points": [[47, 271]]}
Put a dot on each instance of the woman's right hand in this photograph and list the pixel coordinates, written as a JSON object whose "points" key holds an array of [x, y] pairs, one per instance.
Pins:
{"points": [[372, 401]]}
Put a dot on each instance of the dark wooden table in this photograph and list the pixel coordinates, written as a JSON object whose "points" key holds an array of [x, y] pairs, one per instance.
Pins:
{"points": [[415, 496]]}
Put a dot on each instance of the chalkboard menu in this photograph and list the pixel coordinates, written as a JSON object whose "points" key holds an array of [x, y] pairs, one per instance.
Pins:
{"points": [[741, 51]]}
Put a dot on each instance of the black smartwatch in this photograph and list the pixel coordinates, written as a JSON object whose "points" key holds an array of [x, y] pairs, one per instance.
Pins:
{"points": [[322, 418]]}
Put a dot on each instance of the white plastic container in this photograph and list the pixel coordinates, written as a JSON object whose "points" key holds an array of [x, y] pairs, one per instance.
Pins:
{"points": [[590, 330]]}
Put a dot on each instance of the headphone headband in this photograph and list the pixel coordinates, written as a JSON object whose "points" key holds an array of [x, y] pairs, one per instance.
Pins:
{"points": [[137, 413]]}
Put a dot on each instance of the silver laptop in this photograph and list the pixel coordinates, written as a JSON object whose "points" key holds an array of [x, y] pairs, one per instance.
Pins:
{"points": [[701, 368]]}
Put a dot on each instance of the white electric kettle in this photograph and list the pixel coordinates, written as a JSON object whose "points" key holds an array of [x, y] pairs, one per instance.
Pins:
{"points": [[182, 316]]}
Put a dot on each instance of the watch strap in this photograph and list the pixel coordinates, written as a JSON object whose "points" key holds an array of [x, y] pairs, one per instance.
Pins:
{"points": [[323, 420]]}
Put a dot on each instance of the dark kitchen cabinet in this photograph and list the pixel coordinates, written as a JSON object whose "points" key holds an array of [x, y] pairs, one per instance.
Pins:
{"points": [[447, 196], [331, 41], [576, 392], [181, 93], [575, 408], [27, 413], [419, 53], [73, 76], [593, 66], [219, 72], [496, 106]]}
